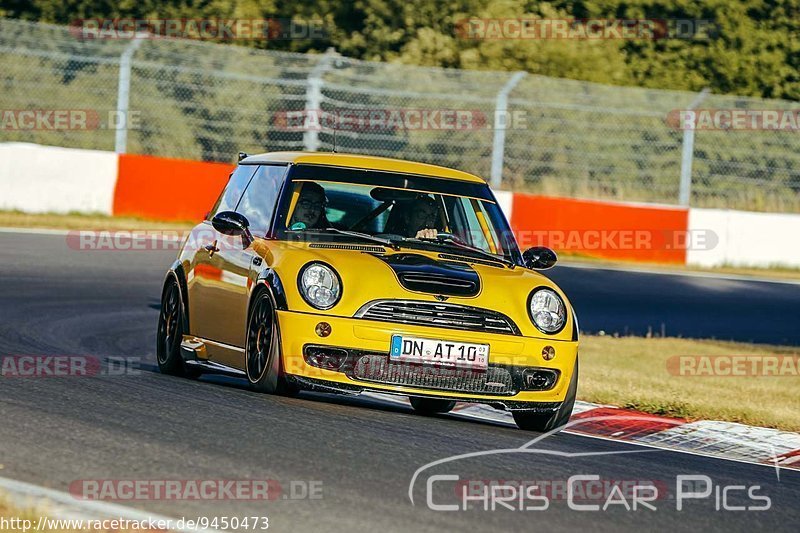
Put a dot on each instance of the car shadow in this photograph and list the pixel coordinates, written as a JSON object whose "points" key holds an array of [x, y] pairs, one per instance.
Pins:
{"points": [[346, 400]]}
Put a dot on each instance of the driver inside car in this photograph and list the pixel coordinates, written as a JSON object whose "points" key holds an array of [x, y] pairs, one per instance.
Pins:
{"points": [[309, 213]]}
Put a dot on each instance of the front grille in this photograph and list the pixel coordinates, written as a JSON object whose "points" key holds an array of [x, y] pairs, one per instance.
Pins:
{"points": [[442, 315], [377, 368]]}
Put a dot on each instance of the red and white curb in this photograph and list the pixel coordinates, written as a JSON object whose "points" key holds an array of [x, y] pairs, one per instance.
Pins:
{"points": [[726, 440], [61, 505]]}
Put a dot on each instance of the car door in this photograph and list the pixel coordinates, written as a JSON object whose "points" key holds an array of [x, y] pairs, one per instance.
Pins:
{"points": [[225, 298], [204, 277]]}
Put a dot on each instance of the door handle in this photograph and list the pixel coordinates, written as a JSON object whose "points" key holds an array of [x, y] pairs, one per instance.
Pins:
{"points": [[211, 248]]}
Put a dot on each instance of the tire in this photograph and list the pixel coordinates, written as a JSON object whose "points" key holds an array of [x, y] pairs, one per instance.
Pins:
{"points": [[262, 349], [532, 421], [171, 328], [431, 406]]}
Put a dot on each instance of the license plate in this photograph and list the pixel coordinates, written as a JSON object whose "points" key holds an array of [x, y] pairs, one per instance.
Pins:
{"points": [[446, 353]]}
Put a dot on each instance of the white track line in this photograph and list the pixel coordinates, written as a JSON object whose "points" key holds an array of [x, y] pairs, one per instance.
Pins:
{"points": [[35, 231], [57, 504]]}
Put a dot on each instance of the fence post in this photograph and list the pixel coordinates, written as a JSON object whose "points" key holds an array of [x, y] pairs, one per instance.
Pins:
{"points": [[314, 99], [499, 140], [123, 92], [687, 154]]}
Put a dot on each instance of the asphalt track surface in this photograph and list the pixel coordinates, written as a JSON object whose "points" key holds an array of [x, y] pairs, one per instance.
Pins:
{"points": [[146, 426], [695, 305]]}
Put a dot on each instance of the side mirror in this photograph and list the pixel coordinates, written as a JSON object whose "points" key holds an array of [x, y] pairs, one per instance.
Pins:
{"points": [[233, 223], [539, 258]]}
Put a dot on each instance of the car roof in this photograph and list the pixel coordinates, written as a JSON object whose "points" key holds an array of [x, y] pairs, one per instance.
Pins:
{"points": [[362, 161]]}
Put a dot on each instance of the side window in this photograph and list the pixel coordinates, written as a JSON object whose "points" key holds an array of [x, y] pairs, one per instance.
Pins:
{"points": [[258, 201], [233, 190]]}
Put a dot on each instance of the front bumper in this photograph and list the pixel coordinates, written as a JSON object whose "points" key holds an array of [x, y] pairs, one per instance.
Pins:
{"points": [[366, 338]]}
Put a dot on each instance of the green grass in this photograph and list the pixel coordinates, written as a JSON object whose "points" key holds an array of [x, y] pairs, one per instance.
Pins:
{"points": [[632, 372], [79, 221]]}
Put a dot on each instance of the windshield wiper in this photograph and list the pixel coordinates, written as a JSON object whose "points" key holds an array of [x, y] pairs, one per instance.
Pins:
{"points": [[364, 236], [452, 240]]}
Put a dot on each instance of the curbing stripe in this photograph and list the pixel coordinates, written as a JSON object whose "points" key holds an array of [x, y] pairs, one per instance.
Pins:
{"points": [[722, 440], [747, 443], [621, 424]]}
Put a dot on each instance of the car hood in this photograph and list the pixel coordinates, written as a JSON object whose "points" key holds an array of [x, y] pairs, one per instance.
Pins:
{"points": [[370, 273]]}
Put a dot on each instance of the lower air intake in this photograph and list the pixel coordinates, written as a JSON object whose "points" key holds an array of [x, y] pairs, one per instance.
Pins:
{"points": [[376, 368]]}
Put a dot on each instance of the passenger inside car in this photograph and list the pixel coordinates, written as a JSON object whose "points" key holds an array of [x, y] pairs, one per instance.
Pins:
{"points": [[417, 218]]}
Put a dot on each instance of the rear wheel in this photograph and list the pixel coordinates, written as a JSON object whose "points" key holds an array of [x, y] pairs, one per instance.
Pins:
{"points": [[264, 369], [533, 421], [170, 334], [431, 406]]}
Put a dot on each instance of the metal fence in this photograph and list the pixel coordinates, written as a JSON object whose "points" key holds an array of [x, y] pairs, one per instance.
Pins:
{"points": [[207, 101]]}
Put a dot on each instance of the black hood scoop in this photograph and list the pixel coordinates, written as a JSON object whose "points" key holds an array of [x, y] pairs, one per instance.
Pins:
{"points": [[422, 274]]}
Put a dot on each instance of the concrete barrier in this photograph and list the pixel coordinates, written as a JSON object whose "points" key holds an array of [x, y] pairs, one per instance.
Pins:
{"points": [[745, 238], [48, 179], [168, 189], [609, 230]]}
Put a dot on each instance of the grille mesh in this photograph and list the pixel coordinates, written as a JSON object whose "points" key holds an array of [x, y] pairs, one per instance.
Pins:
{"points": [[354, 247], [450, 316], [377, 368], [469, 259]]}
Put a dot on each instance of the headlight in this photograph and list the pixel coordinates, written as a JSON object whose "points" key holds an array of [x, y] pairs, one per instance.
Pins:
{"points": [[547, 309], [320, 285]]}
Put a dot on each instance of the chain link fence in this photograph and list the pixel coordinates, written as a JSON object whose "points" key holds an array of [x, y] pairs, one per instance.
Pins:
{"points": [[204, 101]]}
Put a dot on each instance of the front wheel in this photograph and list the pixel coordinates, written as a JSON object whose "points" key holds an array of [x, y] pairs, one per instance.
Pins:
{"points": [[170, 334], [431, 406], [532, 421], [264, 370]]}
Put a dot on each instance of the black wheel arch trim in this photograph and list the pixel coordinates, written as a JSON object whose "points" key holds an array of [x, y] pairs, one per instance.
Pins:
{"points": [[575, 328], [177, 273], [270, 280]]}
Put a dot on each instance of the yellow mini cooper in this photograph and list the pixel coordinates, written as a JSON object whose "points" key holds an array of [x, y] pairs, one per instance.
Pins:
{"points": [[346, 273]]}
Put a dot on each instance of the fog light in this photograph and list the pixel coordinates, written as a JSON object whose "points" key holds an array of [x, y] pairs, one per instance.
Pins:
{"points": [[326, 358], [323, 329], [548, 352], [539, 379]]}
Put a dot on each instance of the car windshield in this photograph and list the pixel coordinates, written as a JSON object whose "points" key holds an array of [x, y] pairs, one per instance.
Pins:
{"points": [[395, 209]]}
